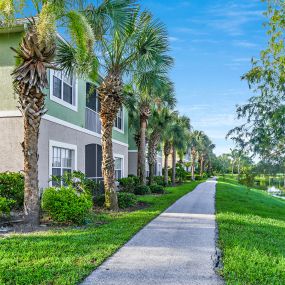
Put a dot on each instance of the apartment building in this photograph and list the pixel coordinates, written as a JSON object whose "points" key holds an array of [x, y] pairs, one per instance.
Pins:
{"points": [[70, 132]]}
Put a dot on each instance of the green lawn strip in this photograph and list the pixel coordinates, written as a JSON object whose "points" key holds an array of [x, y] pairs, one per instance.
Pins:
{"points": [[251, 235], [67, 256]]}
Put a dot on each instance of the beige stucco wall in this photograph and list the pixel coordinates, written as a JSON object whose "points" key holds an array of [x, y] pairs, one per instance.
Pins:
{"points": [[11, 135], [133, 162]]}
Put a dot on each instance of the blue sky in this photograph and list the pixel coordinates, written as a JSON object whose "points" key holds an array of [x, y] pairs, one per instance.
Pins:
{"points": [[212, 42]]}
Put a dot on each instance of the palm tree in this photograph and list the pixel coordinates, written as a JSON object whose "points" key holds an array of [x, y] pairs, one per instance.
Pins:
{"points": [[133, 47], [194, 145], [179, 140], [36, 54], [161, 116]]}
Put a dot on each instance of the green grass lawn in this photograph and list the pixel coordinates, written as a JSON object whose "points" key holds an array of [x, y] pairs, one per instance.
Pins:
{"points": [[251, 235], [67, 256]]}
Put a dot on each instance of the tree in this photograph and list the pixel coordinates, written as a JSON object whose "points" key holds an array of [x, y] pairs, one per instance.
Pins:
{"points": [[264, 114], [35, 55], [132, 46], [160, 118], [179, 136], [194, 142]]}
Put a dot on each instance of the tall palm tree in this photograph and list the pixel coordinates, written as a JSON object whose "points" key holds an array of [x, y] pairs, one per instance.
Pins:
{"points": [[131, 47], [194, 143], [36, 54], [179, 140], [161, 116]]}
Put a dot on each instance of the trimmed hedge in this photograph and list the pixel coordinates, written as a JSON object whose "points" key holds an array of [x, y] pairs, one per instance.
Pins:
{"points": [[125, 200], [66, 205], [6, 205], [142, 190], [157, 189], [12, 188]]}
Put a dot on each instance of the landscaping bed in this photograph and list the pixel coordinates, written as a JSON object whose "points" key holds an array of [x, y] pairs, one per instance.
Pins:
{"points": [[251, 235], [67, 255]]}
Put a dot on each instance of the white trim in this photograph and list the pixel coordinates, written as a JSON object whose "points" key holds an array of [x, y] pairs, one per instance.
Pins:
{"points": [[77, 128], [53, 143], [117, 155], [61, 101], [132, 150], [123, 123], [15, 113]]}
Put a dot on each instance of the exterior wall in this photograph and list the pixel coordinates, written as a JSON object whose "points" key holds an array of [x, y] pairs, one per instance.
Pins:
{"points": [[11, 136], [7, 61], [133, 162], [11, 156]]}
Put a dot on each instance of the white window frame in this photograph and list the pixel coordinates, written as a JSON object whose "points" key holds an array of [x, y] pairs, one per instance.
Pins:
{"points": [[52, 144], [123, 121], [61, 101], [123, 162]]}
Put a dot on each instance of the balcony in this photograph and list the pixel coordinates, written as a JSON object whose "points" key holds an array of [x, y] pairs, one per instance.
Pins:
{"points": [[92, 121]]}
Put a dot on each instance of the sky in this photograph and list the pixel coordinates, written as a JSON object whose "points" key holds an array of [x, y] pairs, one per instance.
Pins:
{"points": [[212, 42]]}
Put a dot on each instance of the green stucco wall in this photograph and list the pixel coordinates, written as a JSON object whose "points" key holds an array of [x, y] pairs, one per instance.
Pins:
{"points": [[9, 98], [7, 62]]}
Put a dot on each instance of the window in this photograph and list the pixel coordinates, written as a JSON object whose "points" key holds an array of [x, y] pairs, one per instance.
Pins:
{"points": [[92, 99], [63, 89], [93, 161], [118, 167], [62, 159], [119, 120]]}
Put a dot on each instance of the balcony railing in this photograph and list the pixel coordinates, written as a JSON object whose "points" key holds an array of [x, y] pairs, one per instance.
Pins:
{"points": [[92, 121]]}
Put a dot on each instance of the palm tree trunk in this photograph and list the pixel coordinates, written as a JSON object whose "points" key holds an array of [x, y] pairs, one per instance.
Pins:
{"points": [[173, 165], [193, 154], [167, 149], [110, 92], [201, 166], [30, 150], [30, 78], [152, 153], [137, 140], [142, 151]]}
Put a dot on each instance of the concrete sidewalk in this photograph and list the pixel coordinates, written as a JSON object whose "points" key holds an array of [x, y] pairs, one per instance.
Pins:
{"points": [[178, 247]]}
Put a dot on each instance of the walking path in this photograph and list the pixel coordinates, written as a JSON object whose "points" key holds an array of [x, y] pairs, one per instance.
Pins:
{"points": [[178, 247]]}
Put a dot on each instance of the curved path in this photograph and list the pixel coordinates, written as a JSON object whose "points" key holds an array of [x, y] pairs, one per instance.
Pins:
{"points": [[178, 247]]}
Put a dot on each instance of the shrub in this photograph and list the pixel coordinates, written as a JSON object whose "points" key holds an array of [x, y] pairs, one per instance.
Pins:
{"points": [[12, 187], [6, 205], [142, 190], [198, 177], [99, 200], [79, 181], [66, 205], [157, 189], [127, 184], [126, 200], [159, 180]]}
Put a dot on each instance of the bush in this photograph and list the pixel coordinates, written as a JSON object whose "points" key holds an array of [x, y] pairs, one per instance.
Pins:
{"points": [[79, 181], [99, 200], [12, 188], [159, 180], [126, 200], [198, 177], [142, 190], [6, 205], [157, 189], [127, 184], [66, 205]]}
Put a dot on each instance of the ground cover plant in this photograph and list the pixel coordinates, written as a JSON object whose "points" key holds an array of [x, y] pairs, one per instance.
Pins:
{"points": [[251, 234], [66, 256]]}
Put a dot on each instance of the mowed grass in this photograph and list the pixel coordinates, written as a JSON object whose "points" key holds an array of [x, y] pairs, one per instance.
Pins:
{"points": [[251, 235], [68, 255]]}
